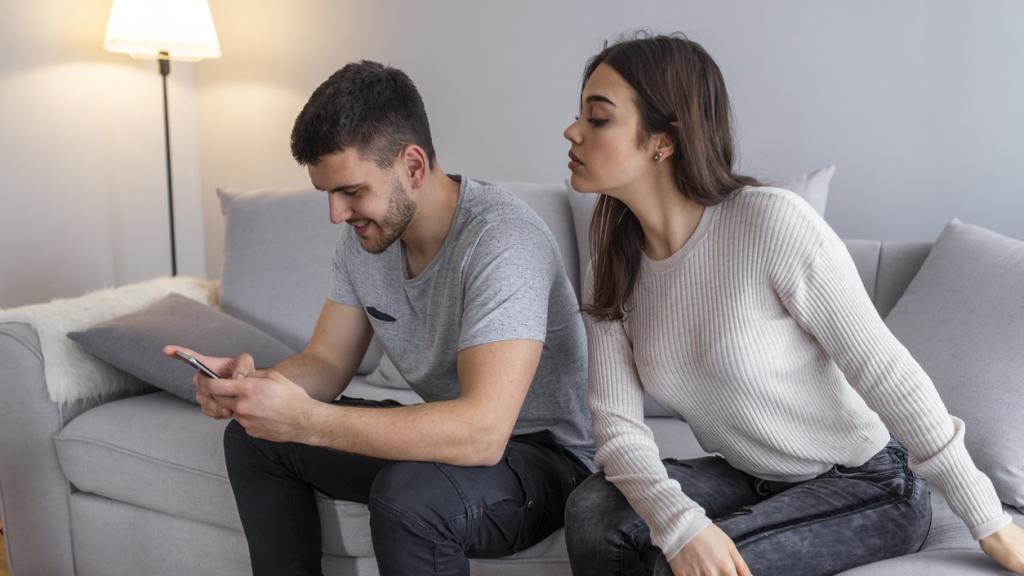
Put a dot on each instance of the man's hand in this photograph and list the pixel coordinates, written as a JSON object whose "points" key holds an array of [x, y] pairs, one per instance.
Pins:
{"points": [[267, 404], [237, 367], [710, 553], [1006, 546]]}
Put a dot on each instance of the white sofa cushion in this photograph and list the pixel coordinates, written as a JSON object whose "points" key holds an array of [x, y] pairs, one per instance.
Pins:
{"points": [[73, 374]]}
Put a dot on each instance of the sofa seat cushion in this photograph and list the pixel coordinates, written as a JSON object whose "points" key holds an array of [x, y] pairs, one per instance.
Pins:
{"points": [[157, 452], [160, 453], [153, 451]]}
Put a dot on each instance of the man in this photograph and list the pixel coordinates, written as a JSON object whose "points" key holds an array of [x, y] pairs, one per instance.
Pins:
{"points": [[463, 285]]}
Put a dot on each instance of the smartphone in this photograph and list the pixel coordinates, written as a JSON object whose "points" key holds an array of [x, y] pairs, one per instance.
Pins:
{"points": [[196, 363]]}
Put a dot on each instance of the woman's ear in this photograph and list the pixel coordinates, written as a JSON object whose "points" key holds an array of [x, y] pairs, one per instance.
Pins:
{"points": [[662, 147]]}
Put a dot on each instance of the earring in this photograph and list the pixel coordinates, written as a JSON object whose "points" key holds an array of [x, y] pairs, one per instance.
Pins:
{"points": [[657, 156]]}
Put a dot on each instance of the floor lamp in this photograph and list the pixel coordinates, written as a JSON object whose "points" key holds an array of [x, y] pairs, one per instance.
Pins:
{"points": [[166, 30]]}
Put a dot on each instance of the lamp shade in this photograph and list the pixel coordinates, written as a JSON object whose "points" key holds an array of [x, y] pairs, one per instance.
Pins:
{"points": [[145, 28]]}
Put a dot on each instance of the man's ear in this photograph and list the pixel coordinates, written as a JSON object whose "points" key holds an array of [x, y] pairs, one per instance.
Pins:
{"points": [[415, 165]]}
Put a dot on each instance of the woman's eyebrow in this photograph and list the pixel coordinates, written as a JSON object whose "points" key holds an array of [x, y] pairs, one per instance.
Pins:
{"points": [[599, 98]]}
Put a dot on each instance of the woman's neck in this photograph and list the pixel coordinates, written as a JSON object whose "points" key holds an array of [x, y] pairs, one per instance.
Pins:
{"points": [[668, 218]]}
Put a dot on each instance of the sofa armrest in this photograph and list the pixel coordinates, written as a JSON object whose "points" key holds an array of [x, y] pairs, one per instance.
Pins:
{"points": [[33, 490]]}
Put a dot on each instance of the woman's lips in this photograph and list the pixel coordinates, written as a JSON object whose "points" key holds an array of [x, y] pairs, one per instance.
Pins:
{"points": [[574, 162]]}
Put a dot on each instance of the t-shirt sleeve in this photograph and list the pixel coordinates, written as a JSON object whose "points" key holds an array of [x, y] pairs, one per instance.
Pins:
{"points": [[507, 282], [342, 289]]}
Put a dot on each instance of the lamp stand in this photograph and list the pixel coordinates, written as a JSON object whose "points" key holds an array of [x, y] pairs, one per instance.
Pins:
{"points": [[165, 68]]}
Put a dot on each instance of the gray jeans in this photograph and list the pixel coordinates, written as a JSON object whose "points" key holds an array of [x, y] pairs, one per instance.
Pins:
{"points": [[843, 518]]}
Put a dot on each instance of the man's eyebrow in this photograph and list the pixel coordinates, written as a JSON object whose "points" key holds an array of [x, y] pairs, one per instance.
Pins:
{"points": [[345, 187], [599, 98]]}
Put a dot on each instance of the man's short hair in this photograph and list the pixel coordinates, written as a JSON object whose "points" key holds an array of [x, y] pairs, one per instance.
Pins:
{"points": [[373, 108]]}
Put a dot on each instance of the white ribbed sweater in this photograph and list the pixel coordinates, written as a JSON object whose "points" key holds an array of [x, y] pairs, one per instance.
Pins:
{"points": [[759, 333]]}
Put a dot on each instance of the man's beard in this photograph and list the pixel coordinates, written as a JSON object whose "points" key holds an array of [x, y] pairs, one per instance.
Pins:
{"points": [[401, 209]]}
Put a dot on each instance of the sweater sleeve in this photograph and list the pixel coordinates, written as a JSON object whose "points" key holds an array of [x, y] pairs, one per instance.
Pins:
{"points": [[626, 450], [825, 295]]}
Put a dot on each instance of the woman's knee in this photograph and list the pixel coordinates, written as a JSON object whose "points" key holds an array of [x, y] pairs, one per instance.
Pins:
{"points": [[588, 500], [596, 510]]}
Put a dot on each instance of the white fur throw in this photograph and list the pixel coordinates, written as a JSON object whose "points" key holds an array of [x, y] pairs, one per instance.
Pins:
{"points": [[71, 373]]}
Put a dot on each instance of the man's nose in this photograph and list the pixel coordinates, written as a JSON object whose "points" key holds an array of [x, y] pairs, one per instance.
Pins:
{"points": [[339, 209]]}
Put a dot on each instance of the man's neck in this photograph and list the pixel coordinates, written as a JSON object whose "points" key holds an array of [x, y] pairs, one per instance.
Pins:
{"points": [[435, 212]]}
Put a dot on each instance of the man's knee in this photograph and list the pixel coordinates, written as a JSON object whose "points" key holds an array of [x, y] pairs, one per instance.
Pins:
{"points": [[418, 494], [240, 449], [235, 437]]}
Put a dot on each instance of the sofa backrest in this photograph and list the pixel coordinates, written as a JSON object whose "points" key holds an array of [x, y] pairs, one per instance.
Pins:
{"points": [[886, 268], [278, 247]]}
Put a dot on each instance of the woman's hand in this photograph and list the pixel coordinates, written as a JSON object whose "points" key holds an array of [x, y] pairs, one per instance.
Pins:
{"points": [[710, 553], [1006, 546]]}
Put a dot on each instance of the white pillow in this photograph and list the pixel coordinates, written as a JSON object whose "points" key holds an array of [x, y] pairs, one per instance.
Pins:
{"points": [[71, 372]]}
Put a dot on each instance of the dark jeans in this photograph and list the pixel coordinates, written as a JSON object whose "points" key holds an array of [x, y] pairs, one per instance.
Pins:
{"points": [[425, 517], [841, 519]]}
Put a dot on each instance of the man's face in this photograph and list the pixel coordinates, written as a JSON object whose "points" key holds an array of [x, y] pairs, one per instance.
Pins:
{"points": [[371, 199]]}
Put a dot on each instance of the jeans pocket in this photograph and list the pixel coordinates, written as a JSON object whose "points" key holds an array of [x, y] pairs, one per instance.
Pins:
{"points": [[887, 469], [539, 472]]}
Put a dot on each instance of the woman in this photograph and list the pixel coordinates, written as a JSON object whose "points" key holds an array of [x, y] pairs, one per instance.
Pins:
{"points": [[737, 307]]}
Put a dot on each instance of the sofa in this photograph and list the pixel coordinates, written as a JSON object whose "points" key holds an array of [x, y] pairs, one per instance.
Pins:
{"points": [[133, 482]]}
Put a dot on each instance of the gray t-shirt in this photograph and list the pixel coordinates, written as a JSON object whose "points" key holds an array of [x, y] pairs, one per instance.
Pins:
{"points": [[498, 276]]}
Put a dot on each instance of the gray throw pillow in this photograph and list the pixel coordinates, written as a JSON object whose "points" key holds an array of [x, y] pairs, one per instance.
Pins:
{"points": [[133, 342], [962, 318]]}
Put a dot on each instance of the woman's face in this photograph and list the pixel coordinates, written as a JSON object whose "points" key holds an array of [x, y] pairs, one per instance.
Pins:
{"points": [[605, 155]]}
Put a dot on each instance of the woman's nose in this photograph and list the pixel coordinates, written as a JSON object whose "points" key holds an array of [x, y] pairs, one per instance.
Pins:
{"points": [[571, 133]]}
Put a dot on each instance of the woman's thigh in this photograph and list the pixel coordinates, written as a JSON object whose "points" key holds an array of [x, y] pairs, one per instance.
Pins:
{"points": [[605, 535], [710, 482], [844, 518]]}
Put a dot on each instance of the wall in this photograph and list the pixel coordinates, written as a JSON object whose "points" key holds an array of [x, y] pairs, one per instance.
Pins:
{"points": [[917, 102], [83, 200]]}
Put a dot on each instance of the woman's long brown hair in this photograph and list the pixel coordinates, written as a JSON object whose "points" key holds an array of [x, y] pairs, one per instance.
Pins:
{"points": [[680, 93]]}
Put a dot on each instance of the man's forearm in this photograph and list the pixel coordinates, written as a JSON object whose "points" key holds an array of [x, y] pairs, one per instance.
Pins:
{"points": [[452, 432], [320, 379]]}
